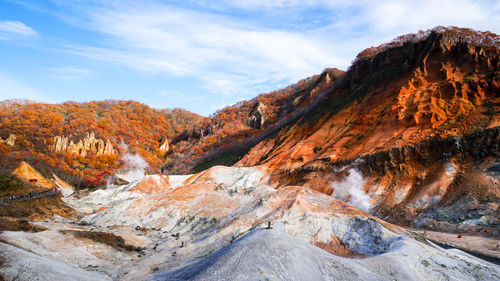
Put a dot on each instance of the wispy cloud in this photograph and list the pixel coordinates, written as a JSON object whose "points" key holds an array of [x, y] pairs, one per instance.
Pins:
{"points": [[230, 56], [67, 72], [237, 56], [235, 49], [266, 4], [404, 15], [9, 29]]}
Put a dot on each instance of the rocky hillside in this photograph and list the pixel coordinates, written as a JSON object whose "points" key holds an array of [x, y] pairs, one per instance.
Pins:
{"points": [[335, 174], [224, 137], [414, 122], [221, 222], [83, 142]]}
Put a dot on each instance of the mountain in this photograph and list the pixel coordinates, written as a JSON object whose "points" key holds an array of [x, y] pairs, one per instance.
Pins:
{"points": [[435, 84], [82, 142], [214, 225], [415, 122], [224, 137], [269, 254], [340, 176]]}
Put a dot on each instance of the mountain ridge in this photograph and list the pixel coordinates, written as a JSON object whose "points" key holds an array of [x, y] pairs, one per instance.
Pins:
{"points": [[345, 170], [418, 120]]}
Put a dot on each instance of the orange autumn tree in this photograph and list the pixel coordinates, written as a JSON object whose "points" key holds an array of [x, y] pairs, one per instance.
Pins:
{"points": [[36, 125]]}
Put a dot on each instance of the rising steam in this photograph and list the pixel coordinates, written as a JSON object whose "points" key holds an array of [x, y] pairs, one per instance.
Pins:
{"points": [[134, 166], [350, 190]]}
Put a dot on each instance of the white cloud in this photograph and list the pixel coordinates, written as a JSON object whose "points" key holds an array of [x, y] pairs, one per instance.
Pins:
{"points": [[396, 16], [273, 4], [13, 28], [228, 55], [392, 15], [68, 72], [237, 56]]}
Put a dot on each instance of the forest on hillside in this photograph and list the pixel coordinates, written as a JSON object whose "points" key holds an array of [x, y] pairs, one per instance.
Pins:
{"points": [[189, 140]]}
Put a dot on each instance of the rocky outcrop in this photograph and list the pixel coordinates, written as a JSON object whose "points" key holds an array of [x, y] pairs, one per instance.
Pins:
{"points": [[88, 145], [26, 172], [403, 95], [224, 222], [445, 184], [153, 184], [164, 147], [257, 117], [10, 140]]}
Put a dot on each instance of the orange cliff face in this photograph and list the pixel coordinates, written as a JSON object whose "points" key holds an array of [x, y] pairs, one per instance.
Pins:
{"points": [[25, 172], [386, 102], [417, 95]]}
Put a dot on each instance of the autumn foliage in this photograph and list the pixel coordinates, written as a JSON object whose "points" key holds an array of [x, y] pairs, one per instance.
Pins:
{"points": [[193, 139], [230, 129], [36, 125]]}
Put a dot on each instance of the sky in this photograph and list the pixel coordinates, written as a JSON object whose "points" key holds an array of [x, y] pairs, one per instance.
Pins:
{"points": [[200, 55]]}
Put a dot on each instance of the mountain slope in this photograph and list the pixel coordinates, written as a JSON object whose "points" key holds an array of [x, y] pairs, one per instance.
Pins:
{"points": [[271, 254], [440, 85], [418, 118], [210, 226], [408, 136], [230, 132], [82, 142]]}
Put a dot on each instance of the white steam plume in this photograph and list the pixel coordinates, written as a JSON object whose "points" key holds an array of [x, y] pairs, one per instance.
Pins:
{"points": [[350, 190], [123, 146], [134, 167]]}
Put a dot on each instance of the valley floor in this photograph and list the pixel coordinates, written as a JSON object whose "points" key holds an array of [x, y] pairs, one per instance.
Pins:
{"points": [[213, 226]]}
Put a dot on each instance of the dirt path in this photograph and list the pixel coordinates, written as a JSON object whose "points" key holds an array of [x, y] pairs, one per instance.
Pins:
{"points": [[482, 247], [30, 195]]}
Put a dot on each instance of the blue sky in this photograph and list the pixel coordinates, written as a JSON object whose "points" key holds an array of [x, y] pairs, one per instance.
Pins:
{"points": [[197, 54]]}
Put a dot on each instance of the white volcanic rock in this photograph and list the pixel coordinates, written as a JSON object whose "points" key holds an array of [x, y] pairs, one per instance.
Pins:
{"points": [[273, 255], [20, 264], [102, 198], [66, 188], [67, 248], [178, 220], [10, 140]]}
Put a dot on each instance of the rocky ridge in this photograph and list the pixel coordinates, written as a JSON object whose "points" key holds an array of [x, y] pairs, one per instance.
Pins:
{"points": [[409, 135], [421, 119], [10, 140]]}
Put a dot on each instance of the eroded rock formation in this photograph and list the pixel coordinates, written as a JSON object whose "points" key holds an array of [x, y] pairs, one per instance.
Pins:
{"points": [[164, 147], [26, 172], [257, 117], [88, 145], [10, 140]]}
